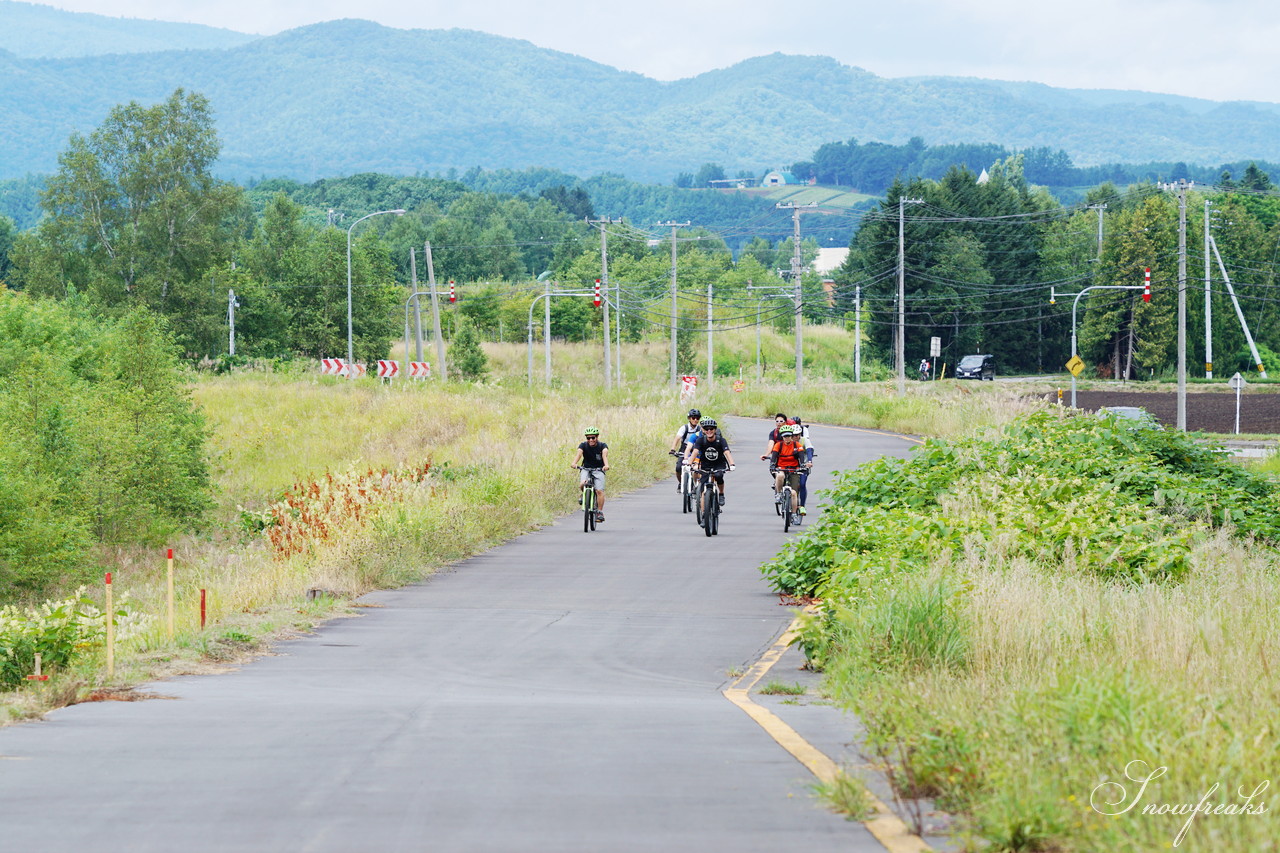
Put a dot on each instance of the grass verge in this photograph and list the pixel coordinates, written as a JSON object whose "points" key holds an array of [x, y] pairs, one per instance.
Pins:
{"points": [[496, 465]]}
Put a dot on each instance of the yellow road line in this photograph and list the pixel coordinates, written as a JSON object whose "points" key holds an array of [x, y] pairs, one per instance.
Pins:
{"points": [[885, 826]]}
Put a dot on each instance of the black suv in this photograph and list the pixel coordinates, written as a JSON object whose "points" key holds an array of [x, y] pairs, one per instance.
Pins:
{"points": [[977, 367]]}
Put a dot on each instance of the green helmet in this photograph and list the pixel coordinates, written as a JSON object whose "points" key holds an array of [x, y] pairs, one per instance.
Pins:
{"points": [[591, 431], [786, 430]]}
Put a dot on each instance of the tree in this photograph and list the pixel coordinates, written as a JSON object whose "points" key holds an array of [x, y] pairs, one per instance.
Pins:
{"points": [[7, 233], [135, 208], [466, 358], [707, 173]]}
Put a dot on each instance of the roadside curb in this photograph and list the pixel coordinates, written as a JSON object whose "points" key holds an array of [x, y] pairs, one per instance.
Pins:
{"points": [[885, 826]]}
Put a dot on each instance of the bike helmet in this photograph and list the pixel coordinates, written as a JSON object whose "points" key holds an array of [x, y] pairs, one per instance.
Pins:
{"points": [[591, 431], [707, 423], [786, 430], [694, 413]]}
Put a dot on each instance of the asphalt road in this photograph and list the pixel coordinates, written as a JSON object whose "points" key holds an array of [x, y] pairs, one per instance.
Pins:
{"points": [[558, 693]]}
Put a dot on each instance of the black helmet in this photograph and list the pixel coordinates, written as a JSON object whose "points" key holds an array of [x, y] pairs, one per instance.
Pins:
{"points": [[694, 413], [707, 423]]}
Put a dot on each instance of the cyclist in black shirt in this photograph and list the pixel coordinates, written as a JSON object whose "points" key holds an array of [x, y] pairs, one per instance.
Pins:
{"points": [[593, 456], [711, 452]]}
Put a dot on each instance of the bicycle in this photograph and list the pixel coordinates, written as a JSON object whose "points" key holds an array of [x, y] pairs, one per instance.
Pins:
{"points": [[686, 485], [588, 501], [711, 493], [782, 503]]}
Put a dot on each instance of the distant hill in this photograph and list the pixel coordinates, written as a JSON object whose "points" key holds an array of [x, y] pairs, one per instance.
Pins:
{"points": [[352, 96], [30, 30]]}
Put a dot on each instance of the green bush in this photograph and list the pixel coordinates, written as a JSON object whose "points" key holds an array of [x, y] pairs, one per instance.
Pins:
{"points": [[1117, 501], [58, 631]]}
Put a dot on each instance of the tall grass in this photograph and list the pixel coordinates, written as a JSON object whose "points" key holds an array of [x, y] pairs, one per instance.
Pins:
{"points": [[497, 462]]}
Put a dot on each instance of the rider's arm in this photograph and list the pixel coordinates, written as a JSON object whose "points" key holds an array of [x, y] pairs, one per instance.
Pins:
{"points": [[773, 458], [577, 460], [680, 437], [604, 457]]}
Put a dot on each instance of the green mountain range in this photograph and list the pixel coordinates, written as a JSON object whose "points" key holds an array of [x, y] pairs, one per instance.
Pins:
{"points": [[353, 96], [32, 30]]}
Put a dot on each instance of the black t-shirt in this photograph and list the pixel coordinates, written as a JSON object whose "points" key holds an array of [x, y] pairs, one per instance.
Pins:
{"points": [[712, 452], [592, 457]]}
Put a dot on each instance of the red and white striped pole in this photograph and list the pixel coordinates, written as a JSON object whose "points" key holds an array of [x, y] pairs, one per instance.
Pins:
{"points": [[596, 298], [453, 296], [1146, 287]]}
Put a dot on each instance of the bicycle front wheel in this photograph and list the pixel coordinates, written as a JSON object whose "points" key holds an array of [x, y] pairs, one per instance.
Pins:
{"points": [[786, 510]]}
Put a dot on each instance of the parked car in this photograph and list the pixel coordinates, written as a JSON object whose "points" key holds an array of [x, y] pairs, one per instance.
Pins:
{"points": [[977, 367]]}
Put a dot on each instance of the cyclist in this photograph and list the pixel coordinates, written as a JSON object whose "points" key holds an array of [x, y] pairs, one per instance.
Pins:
{"points": [[593, 455], [787, 458], [779, 421], [686, 435], [806, 442], [711, 453]]}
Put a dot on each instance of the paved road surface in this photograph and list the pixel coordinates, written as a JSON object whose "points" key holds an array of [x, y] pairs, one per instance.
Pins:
{"points": [[559, 693]]}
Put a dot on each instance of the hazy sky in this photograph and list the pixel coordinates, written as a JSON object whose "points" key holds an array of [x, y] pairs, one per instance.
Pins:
{"points": [[1218, 49]]}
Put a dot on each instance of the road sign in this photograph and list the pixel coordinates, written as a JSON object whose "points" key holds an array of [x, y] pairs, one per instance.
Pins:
{"points": [[419, 369], [688, 387], [935, 347], [356, 369], [1075, 365], [388, 369], [1237, 382], [333, 367], [739, 385]]}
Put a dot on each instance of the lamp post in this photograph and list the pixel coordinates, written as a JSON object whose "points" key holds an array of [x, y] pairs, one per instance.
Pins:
{"points": [[1076, 304], [351, 356]]}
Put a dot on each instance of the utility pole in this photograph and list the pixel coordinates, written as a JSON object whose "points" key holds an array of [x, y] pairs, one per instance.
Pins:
{"points": [[231, 317], [711, 364], [1099, 208], [1181, 188], [795, 283], [1208, 304], [675, 316], [857, 333], [435, 314], [900, 349], [604, 285], [417, 305]]}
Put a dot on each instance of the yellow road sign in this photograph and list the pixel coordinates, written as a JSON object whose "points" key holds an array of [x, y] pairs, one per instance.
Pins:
{"points": [[1075, 365]]}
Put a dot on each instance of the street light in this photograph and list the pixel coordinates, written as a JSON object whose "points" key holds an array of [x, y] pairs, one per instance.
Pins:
{"points": [[1053, 298], [351, 356]]}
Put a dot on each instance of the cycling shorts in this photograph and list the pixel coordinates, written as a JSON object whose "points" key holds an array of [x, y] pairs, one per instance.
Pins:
{"points": [[791, 477], [596, 475]]}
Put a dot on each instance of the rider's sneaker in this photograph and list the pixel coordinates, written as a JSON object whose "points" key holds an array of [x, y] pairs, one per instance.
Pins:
{"points": [[777, 499], [802, 512], [599, 517], [721, 500]]}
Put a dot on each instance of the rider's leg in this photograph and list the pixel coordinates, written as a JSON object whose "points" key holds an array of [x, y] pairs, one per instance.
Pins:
{"points": [[777, 482]]}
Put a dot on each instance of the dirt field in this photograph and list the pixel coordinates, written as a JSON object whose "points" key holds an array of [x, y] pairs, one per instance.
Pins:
{"points": [[1206, 412]]}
